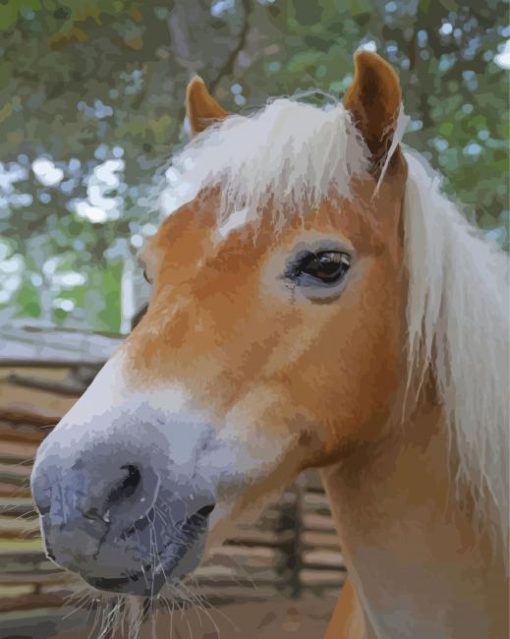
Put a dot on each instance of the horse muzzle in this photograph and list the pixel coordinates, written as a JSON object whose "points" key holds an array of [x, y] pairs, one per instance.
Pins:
{"points": [[115, 511]]}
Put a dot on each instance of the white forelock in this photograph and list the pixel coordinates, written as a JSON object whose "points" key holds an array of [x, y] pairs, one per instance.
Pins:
{"points": [[290, 154]]}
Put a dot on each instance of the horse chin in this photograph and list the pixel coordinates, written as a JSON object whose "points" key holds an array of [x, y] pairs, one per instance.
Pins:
{"points": [[166, 568], [149, 582], [135, 585], [170, 566]]}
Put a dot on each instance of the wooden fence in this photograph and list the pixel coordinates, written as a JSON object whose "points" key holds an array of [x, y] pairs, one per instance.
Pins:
{"points": [[290, 549]]}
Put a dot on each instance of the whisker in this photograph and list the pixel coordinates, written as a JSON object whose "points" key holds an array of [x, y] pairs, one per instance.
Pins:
{"points": [[31, 514], [135, 616], [79, 601], [183, 615], [97, 616], [209, 606], [203, 608]]}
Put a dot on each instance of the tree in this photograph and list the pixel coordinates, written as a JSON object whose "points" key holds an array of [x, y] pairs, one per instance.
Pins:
{"points": [[92, 104]]}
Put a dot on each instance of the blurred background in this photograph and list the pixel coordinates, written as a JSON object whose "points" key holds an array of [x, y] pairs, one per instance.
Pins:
{"points": [[91, 108], [92, 105]]}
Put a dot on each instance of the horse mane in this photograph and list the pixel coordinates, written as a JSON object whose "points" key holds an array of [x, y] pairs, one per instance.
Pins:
{"points": [[457, 317], [291, 154]]}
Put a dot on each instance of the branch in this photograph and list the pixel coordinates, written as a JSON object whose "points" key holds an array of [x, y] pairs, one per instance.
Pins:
{"points": [[228, 66]]}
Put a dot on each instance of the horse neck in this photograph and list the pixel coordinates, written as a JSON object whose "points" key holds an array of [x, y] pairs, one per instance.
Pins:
{"points": [[417, 564]]}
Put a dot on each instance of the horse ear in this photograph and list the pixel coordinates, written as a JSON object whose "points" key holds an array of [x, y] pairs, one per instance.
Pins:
{"points": [[201, 108], [374, 101]]}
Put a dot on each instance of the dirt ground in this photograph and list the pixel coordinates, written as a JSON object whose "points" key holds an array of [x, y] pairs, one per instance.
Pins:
{"points": [[305, 618]]}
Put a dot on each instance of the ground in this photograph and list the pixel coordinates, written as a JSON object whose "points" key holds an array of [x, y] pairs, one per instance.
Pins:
{"points": [[278, 618]]}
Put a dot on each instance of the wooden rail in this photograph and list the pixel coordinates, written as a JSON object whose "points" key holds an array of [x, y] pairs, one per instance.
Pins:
{"points": [[290, 549]]}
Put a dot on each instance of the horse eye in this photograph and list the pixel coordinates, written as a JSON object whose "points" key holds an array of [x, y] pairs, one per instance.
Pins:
{"points": [[327, 267], [146, 277]]}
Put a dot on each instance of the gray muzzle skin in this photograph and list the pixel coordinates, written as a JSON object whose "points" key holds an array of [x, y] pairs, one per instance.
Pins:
{"points": [[117, 509]]}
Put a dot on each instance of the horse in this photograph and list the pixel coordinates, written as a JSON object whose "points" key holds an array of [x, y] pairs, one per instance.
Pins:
{"points": [[316, 302]]}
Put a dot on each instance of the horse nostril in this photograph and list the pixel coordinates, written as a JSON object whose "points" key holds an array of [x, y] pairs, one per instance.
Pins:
{"points": [[132, 480], [123, 489], [205, 511], [127, 486]]}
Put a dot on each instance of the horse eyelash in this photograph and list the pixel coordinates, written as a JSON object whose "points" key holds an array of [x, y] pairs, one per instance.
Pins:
{"points": [[294, 266]]}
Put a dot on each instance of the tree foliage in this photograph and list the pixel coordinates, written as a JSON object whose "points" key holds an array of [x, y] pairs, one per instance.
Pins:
{"points": [[92, 104]]}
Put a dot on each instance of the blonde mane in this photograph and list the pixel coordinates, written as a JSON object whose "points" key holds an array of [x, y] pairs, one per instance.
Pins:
{"points": [[457, 316], [292, 154]]}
